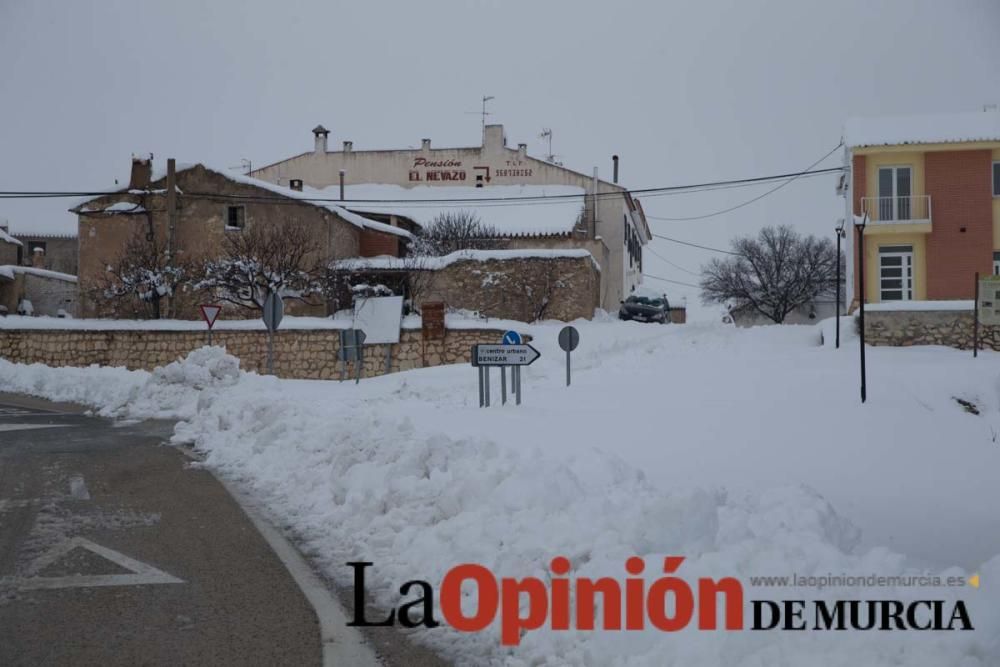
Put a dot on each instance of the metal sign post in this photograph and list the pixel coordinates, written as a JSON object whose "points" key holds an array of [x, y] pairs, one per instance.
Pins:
{"points": [[485, 356], [351, 349], [210, 313], [274, 311], [975, 321], [509, 338], [569, 338]]}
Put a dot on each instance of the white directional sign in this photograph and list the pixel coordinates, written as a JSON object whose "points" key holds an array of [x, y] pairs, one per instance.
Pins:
{"points": [[504, 355]]}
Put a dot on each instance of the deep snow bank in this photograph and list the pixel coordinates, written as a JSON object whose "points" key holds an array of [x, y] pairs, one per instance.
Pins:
{"points": [[356, 478]]}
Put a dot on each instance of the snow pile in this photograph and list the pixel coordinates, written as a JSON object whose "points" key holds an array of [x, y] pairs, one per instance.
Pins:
{"points": [[729, 447], [5, 237]]}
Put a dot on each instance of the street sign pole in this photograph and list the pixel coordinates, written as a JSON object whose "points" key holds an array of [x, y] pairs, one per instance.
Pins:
{"points": [[274, 311], [517, 385], [486, 375], [975, 320], [569, 338], [503, 384], [270, 353]]}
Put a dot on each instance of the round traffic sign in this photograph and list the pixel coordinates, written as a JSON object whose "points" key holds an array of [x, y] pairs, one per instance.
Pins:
{"points": [[569, 338], [511, 338]]}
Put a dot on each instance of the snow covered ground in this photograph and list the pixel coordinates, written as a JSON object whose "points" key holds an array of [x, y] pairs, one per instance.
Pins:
{"points": [[745, 450]]}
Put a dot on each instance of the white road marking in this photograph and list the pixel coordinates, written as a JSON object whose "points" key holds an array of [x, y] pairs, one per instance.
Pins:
{"points": [[28, 427], [78, 488], [342, 645], [142, 573]]}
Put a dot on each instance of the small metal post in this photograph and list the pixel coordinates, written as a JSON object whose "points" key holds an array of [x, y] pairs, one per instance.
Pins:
{"points": [[840, 233], [359, 356], [517, 385], [567, 368], [975, 320], [270, 353], [503, 385], [481, 395], [486, 393], [210, 337]]}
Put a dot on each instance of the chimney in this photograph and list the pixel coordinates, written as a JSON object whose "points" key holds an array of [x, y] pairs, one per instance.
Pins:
{"points": [[342, 185], [348, 146], [295, 184], [425, 144], [493, 139], [614, 162], [522, 151], [320, 133], [142, 171], [38, 258]]}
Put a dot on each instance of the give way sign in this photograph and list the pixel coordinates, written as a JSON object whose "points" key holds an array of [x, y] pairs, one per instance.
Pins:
{"points": [[210, 313]]}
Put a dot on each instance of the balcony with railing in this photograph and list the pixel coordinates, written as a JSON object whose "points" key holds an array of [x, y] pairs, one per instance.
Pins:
{"points": [[912, 210]]}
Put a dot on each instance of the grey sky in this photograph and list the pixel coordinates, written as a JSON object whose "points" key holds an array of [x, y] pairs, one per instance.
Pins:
{"points": [[683, 92]]}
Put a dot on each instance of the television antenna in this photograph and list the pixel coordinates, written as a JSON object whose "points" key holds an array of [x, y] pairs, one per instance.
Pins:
{"points": [[550, 157], [484, 113]]}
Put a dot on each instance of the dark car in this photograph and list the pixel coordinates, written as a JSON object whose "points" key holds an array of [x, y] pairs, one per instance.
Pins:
{"points": [[645, 308]]}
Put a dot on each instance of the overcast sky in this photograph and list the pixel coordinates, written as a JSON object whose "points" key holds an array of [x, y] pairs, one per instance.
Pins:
{"points": [[684, 92]]}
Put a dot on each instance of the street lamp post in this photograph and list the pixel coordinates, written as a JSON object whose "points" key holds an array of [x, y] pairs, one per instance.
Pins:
{"points": [[861, 286], [840, 234]]}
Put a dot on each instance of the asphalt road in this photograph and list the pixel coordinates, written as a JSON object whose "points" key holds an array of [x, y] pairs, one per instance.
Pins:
{"points": [[115, 551]]}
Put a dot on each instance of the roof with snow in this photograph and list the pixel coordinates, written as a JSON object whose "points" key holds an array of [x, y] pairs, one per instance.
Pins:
{"points": [[923, 129], [312, 197], [557, 214], [7, 238], [8, 270], [436, 263]]}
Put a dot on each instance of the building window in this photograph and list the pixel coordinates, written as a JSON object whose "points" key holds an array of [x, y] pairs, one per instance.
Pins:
{"points": [[894, 190], [236, 217], [996, 179], [895, 265], [996, 263]]}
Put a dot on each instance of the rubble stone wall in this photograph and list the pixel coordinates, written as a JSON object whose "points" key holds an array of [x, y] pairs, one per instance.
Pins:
{"points": [[952, 328], [299, 354]]}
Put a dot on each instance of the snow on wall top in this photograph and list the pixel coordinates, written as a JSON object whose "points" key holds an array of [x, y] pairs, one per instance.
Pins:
{"points": [[922, 129], [436, 263], [531, 218], [8, 271], [7, 238]]}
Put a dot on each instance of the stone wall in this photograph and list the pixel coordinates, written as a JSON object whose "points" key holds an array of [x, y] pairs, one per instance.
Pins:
{"points": [[300, 354], [952, 328], [523, 289], [48, 295]]}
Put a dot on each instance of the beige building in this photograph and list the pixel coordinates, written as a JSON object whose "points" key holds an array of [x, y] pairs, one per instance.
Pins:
{"points": [[579, 210]]}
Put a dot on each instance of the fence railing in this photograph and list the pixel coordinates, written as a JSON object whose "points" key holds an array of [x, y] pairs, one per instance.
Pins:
{"points": [[897, 209]]}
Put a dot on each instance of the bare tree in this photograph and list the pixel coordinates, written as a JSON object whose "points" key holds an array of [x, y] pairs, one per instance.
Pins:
{"points": [[455, 230], [260, 259], [144, 273], [774, 273]]}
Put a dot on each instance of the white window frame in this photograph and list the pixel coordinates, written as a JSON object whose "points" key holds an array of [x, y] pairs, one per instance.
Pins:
{"points": [[893, 196], [906, 286]]}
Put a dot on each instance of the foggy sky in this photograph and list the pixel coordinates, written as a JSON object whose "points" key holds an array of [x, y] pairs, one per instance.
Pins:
{"points": [[684, 92]]}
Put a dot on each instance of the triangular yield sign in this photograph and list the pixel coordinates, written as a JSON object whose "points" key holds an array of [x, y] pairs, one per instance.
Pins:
{"points": [[210, 313], [139, 573]]}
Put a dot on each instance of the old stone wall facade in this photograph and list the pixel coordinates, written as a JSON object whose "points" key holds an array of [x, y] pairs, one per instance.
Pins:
{"points": [[298, 354], [953, 328], [61, 251], [48, 294]]}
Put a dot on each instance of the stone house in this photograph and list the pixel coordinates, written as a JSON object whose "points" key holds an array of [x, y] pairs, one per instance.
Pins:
{"points": [[581, 211], [60, 251], [210, 205], [10, 247]]}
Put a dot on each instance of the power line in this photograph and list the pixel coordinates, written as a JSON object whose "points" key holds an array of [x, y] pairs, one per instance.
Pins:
{"points": [[695, 245], [668, 280], [681, 268], [657, 191], [757, 198]]}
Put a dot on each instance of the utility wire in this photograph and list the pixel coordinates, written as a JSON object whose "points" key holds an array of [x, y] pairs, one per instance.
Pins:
{"points": [[695, 245], [668, 280], [757, 198], [681, 268], [665, 190]]}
